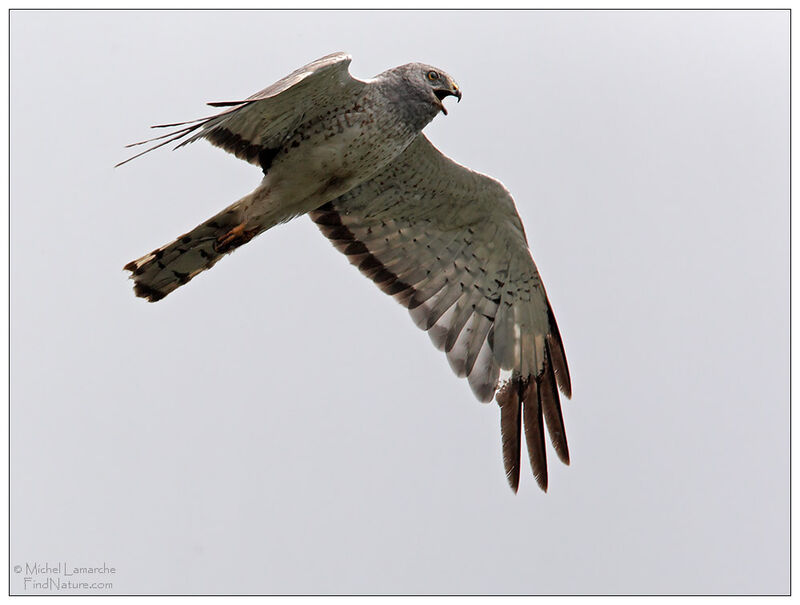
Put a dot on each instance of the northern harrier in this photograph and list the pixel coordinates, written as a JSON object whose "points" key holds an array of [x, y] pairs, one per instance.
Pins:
{"points": [[444, 241]]}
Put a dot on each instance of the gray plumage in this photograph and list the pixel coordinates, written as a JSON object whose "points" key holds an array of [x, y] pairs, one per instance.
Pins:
{"points": [[445, 241]]}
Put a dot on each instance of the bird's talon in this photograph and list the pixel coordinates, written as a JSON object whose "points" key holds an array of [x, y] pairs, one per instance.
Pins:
{"points": [[234, 238]]}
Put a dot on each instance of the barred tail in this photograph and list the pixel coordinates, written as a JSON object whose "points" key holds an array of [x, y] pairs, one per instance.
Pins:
{"points": [[163, 270]]}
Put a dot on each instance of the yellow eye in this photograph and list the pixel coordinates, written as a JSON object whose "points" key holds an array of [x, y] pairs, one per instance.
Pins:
{"points": [[432, 75]]}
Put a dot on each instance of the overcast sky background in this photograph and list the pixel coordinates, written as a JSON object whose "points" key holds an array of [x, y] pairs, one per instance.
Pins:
{"points": [[280, 426]]}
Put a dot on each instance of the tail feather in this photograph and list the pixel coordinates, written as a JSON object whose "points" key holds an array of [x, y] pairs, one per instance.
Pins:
{"points": [[167, 268]]}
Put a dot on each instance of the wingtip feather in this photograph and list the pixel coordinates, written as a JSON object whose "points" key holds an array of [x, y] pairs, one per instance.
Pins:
{"points": [[530, 395], [558, 356], [510, 428]]}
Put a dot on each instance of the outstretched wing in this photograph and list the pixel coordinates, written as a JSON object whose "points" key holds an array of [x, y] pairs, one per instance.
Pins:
{"points": [[255, 128], [448, 244]]}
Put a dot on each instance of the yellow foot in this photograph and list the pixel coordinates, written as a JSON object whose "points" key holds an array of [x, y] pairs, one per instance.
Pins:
{"points": [[234, 238]]}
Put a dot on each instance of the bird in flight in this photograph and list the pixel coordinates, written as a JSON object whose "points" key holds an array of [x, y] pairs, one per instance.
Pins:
{"points": [[445, 241]]}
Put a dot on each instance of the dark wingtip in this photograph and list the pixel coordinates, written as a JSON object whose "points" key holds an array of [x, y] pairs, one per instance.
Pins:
{"points": [[530, 394], [558, 356], [551, 406], [510, 429], [170, 137], [225, 103], [513, 484]]}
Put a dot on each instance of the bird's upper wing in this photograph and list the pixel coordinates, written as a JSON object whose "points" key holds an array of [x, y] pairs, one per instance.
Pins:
{"points": [[447, 243], [255, 127]]}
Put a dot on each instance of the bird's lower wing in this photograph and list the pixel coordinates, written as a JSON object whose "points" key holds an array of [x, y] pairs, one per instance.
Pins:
{"points": [[448, 244]]}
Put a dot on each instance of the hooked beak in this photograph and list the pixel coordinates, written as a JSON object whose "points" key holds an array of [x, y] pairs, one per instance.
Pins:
{"points": [[454, 91]]}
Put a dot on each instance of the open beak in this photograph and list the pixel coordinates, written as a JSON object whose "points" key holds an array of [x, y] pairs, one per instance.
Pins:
{"points": [[454, 91]]}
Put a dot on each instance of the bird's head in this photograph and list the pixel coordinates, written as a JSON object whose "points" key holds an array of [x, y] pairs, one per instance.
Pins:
{"points": [[428, 84], [440, 84]]}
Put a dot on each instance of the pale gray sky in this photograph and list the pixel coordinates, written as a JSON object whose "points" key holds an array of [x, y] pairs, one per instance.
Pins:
{"points": [[280, 426]]}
